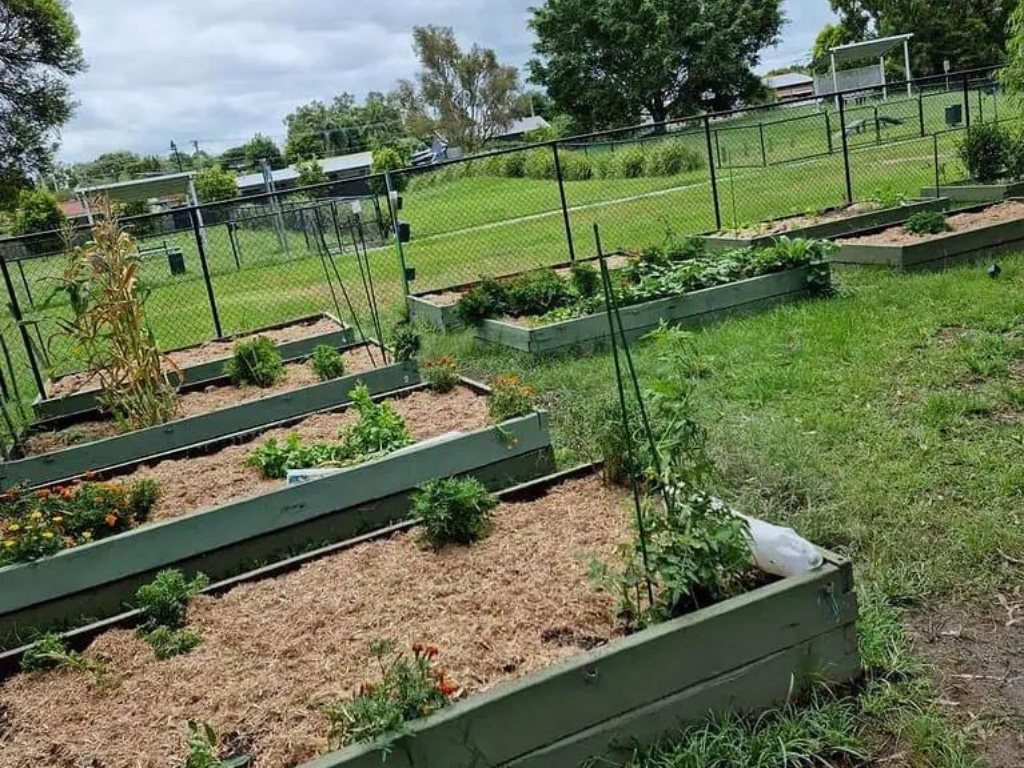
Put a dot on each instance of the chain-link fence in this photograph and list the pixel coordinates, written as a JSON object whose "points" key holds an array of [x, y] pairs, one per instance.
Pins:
{"points": [[352, 249]]}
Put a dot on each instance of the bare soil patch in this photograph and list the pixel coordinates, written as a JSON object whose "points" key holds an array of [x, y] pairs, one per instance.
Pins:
{"points": [[782, 226], [204, 353], [961, 222], [977, 656], [212, 398], [274, 652]]}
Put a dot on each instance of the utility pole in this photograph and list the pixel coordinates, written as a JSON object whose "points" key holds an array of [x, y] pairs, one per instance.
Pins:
{"points": [[195, 154], [177, 156]]}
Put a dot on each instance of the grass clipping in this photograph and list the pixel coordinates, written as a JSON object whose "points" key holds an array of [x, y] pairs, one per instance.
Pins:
{"points": [[109, 328]]}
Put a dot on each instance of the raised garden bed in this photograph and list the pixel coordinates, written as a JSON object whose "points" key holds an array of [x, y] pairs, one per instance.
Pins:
{"points": [[201, 364], [969, 192], [86, 443], [827, 225], [975, 234], [217, 513], [438, 308], [548, 678], [696, 308]]}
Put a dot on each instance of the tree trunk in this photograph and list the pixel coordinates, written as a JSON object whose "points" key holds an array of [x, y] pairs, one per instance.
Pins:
{"points": [[659, 113]]}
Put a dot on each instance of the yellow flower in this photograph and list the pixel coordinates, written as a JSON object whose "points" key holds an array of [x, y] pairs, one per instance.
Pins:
{"points": [[58, 519], [13, 527], [9, 543], [87, 535], [37, 515], [47, 534]]}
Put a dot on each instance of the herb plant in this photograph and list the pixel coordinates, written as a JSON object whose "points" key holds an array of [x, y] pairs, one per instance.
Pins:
{"points": [[167, 642], [255, 362], [204, 750], [406, 341], [453, 510], [328, 363], [510, 398], [442, 374], [983, 151], [410, 687], [486, 299], [164, 601], [586, 280], [926, 223], [49, 652]]}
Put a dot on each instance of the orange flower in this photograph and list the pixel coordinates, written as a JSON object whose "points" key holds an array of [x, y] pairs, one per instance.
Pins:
{"points": [[432, 651], [447, 687], [66, 493], [417, 648], [111, 519], [43, 493]]}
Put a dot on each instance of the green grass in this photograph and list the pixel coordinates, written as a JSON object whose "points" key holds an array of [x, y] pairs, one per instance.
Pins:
{"points": [[885, 424]]}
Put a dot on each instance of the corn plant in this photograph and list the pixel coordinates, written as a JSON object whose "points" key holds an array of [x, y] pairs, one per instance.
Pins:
{"points": [[108, 327]]}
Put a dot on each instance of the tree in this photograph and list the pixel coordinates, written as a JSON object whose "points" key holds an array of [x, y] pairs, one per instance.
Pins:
{"points": [[233, 158], [607, 62], [261, 147], [39, 53], [469, 98], [968, 33], [214, 183], [37, 211], [1013, 75], [388, 159], [310, 172], [318, 130]]}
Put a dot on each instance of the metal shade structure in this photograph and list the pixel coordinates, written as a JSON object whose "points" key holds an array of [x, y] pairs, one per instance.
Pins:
{"points": [[182, 184], [871, 49]]}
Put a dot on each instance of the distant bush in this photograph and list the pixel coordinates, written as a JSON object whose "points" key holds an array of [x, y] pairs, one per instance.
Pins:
{"points": [[983, 150], [255, 362], [576, 166], [514, 165], [1015, 155], [540, 164], [669, 158], [630, 162]]}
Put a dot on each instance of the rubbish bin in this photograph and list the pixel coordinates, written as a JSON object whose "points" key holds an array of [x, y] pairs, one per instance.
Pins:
{"points": [[954, 114], [176, 261]]}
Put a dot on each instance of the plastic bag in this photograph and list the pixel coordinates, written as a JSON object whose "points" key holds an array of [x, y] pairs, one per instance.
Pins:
{"points": [[781, 551]]}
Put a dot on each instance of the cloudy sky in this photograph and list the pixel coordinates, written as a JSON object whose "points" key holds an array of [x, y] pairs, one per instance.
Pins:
{"points": [[219, 71]]}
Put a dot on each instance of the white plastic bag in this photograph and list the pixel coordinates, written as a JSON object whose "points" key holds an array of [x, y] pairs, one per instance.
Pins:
{"points": [[780, 551]]}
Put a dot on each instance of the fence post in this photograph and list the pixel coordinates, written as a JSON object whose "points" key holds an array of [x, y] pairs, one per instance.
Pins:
{"points": [[938, 176], [206, 271], [565, 207], [26, 340], [967, 101], [828, 132], [764, 155], [846, 150], [920, 111], [714, 178], [393, 210]]}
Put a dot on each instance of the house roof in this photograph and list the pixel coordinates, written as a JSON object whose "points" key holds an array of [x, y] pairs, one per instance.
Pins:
{"points": [[72, 208], [337, 164], [525, 125], [868, 49], [789, 80]]}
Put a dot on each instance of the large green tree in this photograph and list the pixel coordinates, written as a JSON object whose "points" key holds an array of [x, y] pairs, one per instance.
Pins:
{"points": [[214, 183], [1013, 75], [606, 62], [37, 211], [39, 53], [968, 33], [318, 130], [468, 97]]}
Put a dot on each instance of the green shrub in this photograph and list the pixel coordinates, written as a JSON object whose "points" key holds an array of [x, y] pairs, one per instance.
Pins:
{"points": [[983, 150], [510, 398], [1015, 155], [536, 293], [442, 374], [670, 158], [540, 164], [576, 166], [629, 162], [602, 165], [585, 279], [379, 430], [486, 299], [167, 642], [926, 223], [514, 165], [164, 601], [328, 363], [453, 510], [405, 341], [409, 688], [256, 362], [274, 459]]}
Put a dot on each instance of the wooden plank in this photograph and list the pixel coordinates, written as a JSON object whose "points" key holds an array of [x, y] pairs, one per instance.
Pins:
{"points": [[977, 193], [441, 317], [154, 546], [556, 703], [174, 436]]}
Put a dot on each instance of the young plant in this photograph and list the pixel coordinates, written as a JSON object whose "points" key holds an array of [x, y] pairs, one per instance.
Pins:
{"points": [[49, 652], [167, 642], [442, 374], [486, 299], [453, 510], [164, 601], [406, 341], [328, 363], [888, 197], [109, 327], [510, 398], [410, 687], [983, 151], [585, 279], [926, 223], [255, 362], [536, 293], [274, 459], [204, 749]]}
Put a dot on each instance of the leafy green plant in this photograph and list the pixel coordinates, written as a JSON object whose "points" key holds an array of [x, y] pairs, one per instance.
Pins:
{"points": [[405, 341], [576, 166], [889, 197], [204, 749], [164, 601], [540, 164], [453, 510], [629, 162], [1015, 155], [537, 292], [410, 687], [983, 151], [327, 362], [441, 374], [585, 279], [43, 522], [486, 299], [510, 397], [670, 158], [167, 642], [49, 652], [255, 362], [926, 223]]}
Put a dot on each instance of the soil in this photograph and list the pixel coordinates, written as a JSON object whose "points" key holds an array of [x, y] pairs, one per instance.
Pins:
{"points": [[204, 353], [451, 298], [782, 226], [961, 222], [977, 656], [273, 653], [212, 398]]}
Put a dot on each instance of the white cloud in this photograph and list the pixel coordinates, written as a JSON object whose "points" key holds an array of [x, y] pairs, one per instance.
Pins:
{"points": [[221, 70]]}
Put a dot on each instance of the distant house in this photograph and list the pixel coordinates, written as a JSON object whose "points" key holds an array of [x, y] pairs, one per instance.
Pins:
{"points": [[521, 127], [791, 85], [74, 210], [338, 169]]}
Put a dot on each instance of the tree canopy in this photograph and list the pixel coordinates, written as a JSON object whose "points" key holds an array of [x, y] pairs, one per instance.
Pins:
{"points": [[37, 211], [317, 130], [466, 96], [39, 53], [606, 62], [214, 183]]}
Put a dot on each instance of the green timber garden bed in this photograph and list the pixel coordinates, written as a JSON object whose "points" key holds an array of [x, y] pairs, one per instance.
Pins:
{"points": [[201, 364], [827, 225], [45, 466], [546, 676], [220, 512], [970, 192], [975, 233]]}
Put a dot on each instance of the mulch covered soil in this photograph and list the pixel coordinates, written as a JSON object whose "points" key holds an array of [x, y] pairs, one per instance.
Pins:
{"points": [[275, 652], [212, 398], [782, 226], [204, 353], [961, 222]]}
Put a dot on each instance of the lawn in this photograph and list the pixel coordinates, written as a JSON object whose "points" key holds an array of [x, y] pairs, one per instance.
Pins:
{"points": [[885, 424]]}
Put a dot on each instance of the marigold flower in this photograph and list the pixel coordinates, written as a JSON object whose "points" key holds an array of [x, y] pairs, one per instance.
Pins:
{"points": [[57, 520], [13, 527], [47, 534], [111, 519], [447, 687], [37, 515], [87, 535], [43, 493], [417, 647], [9, 543], [432, 651]]}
